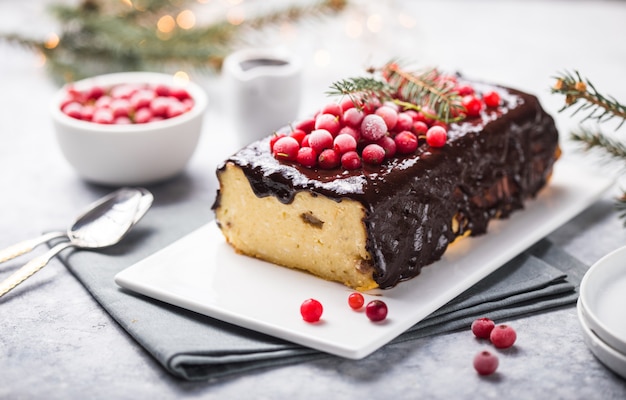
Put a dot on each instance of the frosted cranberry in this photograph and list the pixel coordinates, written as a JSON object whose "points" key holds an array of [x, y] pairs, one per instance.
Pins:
{"points": [[332, 108], [351, 160], [159, 106], [482, 327], [175, 109], [356, 300], [123, 120], [103, 101], [142, 98], [329, 159], [179, 93], [376, 310], [311, 310], [346, 103], [485, 363], [348, 130], [286, 148], [320, 139], [73, 109], [143, 115], [503, 336], [86, 113], [464, 90], [120, 107], [275, 137], [124, 91], [307, 157], [371, 105], [424, 116], [411, 113], [491, 99], [344, 143], [189, 103], [307, 125], [389, 145], [436, 136], [297, 134], [405, 122], [420, 128], [373, 127], [103, 116], [441, 124], [162, 90], [329, 122], [67, 99], [305, 141], [406, 142], [472, 105], [95, 92], [373, 154], [389, 115], [353, 117], [391, 105]]}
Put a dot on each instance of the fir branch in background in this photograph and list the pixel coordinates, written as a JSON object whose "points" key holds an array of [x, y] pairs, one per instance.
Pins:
{"points": [[101, 36], [582, 96], [597, 140], [581, 92], [427, 91]]}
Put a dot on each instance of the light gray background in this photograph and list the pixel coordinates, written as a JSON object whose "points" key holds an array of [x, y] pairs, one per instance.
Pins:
{"points": [[56, 342]]}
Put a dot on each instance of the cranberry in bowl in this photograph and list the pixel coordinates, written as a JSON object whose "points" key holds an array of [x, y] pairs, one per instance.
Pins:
{"points": [[130, 128]]}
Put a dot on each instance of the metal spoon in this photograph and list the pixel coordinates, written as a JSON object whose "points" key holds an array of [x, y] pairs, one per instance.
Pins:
{"points": [[104, 225], [28, 245]]}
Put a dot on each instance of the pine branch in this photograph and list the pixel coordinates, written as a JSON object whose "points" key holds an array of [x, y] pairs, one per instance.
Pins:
{"points": [[103, 36], [580, 91], [597, 140], [361, 89], [424, 91], [582, 94], [425, 88]]}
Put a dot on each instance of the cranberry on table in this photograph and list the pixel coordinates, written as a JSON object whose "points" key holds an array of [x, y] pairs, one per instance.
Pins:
{"points": [[356, 300], [485, 362], [311, 310], [503, 336], [482, 327], [376, 310]]}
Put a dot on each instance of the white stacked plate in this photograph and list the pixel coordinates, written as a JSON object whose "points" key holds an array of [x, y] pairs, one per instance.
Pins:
{"points": [[602, 310]]}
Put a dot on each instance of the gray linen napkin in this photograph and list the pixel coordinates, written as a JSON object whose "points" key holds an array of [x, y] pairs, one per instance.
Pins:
{"points": [[196, 347]]}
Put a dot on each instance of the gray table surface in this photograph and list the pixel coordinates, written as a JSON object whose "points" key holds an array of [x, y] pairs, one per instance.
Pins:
{"points": [[56, 342]]}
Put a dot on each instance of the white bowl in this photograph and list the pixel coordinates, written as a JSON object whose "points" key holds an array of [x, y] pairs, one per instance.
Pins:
{"points": [[603, 298], [133, 154], [610, 357]]}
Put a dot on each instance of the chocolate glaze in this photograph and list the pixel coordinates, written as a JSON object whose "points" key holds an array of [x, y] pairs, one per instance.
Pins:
{"points": [[488, 167]]}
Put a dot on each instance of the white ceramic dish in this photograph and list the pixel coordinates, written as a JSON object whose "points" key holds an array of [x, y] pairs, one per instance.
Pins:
{"points": [[200, 272], [610, 357], [603, 299], [133, 154]]}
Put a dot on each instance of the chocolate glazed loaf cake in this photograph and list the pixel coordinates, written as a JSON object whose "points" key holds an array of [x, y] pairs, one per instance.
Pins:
{"points": [[379, 225]]}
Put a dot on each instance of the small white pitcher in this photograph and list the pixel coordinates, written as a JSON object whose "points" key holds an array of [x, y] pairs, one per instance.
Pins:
{"points": [[265, 87]]}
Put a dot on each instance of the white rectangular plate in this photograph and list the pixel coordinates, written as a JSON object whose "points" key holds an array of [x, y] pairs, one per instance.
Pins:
{"points": [[202, 273]]}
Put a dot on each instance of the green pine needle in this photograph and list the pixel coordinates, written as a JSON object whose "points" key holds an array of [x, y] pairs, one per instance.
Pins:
{"points": [[584, 98], [418, 90]]}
